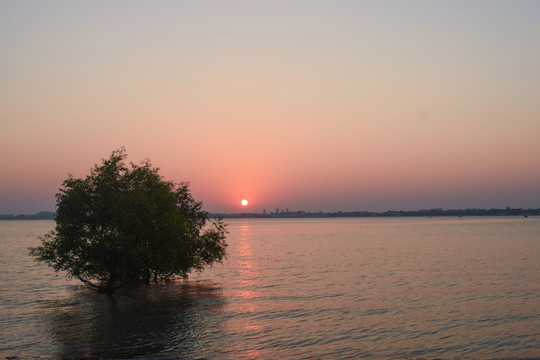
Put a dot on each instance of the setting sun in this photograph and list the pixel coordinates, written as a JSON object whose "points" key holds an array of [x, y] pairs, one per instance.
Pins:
{"points": [[244, 202]]}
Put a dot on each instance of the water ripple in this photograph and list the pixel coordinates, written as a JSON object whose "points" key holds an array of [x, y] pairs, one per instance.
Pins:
{"points": [[297, 289]]}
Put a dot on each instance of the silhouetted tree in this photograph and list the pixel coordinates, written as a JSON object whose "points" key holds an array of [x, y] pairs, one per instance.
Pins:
{"points": [[124, 223]]}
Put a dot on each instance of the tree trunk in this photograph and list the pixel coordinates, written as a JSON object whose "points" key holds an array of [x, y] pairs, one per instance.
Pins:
{"points": [[109, 288], [147, 277]]}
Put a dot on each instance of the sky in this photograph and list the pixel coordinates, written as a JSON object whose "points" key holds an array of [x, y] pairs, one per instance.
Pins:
{"points": [[300, 105]]}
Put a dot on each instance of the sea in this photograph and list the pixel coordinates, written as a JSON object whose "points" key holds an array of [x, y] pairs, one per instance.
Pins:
{"points": [[329, 288]]}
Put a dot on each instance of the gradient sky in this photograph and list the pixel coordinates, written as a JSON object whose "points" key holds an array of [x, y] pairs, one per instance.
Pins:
{"points": [[306, 105]]}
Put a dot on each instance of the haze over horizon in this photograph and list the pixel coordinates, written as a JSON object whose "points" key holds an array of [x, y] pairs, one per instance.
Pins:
{"points": [[306, 105]]}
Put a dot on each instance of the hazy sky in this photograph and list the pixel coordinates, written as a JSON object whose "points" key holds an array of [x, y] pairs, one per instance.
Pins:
{"points": [[306, 105]]}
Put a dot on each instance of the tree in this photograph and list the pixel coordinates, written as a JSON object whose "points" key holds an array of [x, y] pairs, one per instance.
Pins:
{"points": [[123, 224]]}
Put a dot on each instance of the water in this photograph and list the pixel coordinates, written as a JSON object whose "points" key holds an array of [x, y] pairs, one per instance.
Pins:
{"points": [[297, 288]]}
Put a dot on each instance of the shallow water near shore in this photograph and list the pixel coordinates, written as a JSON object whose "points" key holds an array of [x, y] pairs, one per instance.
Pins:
{"points": [[293, 289]]}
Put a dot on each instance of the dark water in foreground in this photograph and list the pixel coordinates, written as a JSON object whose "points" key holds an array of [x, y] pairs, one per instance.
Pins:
{"points": [[297, 288]]}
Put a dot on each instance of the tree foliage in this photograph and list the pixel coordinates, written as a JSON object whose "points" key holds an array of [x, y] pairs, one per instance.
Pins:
{"points": [[123, 224]]}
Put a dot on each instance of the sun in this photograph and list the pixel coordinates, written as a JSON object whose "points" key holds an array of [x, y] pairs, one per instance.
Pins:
{"points": [[244, 202]]}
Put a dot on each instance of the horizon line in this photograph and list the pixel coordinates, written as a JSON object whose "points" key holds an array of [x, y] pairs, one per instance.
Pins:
{"points": [[358, 213]]}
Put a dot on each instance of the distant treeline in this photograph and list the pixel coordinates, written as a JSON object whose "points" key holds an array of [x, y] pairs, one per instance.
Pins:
{"points": [[42, 215], [49, 215], [392, 213]]}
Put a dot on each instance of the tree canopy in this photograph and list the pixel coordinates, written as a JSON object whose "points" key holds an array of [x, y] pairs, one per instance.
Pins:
{"points": [[125, 223]]}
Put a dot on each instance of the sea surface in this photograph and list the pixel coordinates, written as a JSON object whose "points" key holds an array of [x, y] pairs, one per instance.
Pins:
{"points": [[374, 288]]}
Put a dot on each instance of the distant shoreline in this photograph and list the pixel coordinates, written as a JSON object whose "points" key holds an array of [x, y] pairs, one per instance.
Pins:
{"points": [[49, 215], [390, 213], [42, 215]]}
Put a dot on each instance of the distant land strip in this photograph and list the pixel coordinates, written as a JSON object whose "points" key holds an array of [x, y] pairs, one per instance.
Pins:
{"points": [[391, 213], [49, 215], [42, 215]]}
